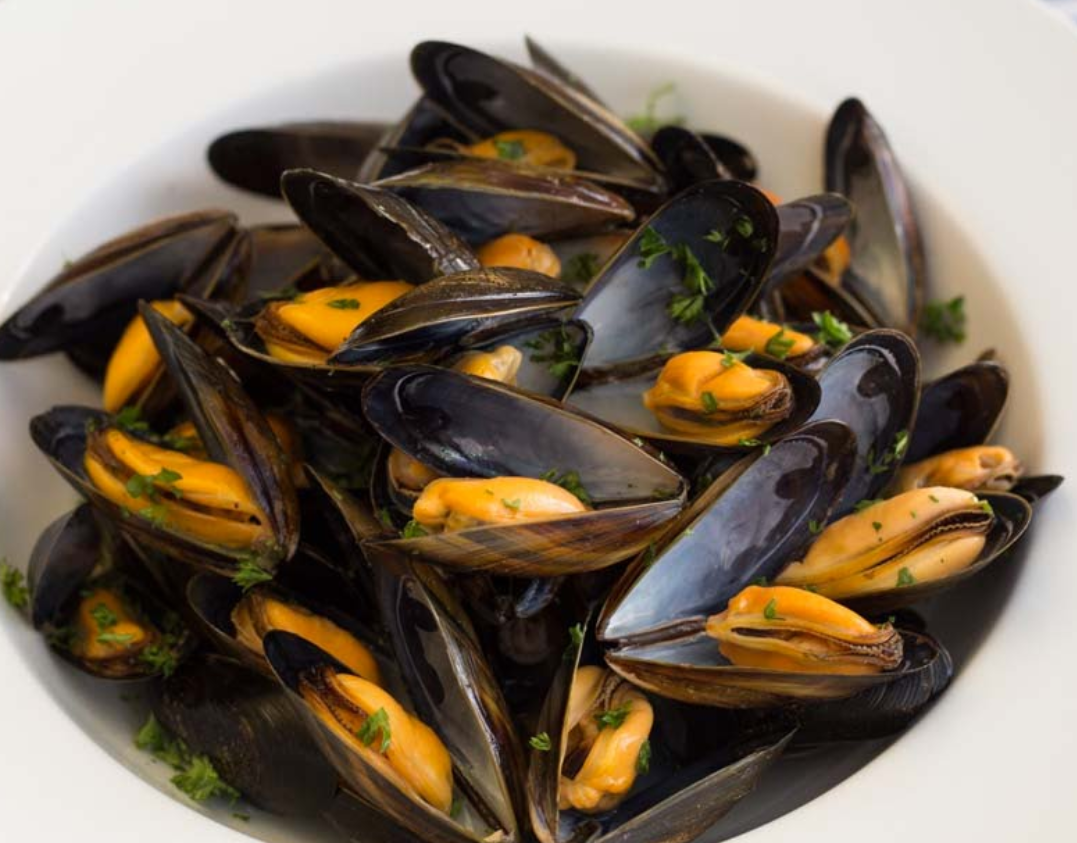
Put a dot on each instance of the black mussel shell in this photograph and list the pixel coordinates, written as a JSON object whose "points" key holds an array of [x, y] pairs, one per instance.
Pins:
{"points": [[545, 62], [285, 257], [90, 302], [463, 426], [887, 270], [735, 156], [254, 159], [749, 524], [686, 157], [425, 123], [873, 385], [439, 313], [489, 95], [629, 304], [247, 727], [807, 227], [375, 232], [959, 410], [481, 199]]}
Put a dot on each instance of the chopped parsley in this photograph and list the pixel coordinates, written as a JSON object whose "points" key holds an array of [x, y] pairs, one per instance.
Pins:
{"points": [[514, 505], [648, 122], [752, 442], [147, 485], [770, 611], [456, 807], [779, 345], [541, 742], [652, 246], [575, 634], [155, 739], [933, 498], [686, 307], [569, 481], [861, 505], [162, 658], [130, 419], [643, 760], [905, 578], [123, 638], [510, 150], [580, 268], [413, 530], [832, 331], [103, 616], [249, 574], [877, 526], [555, 348], [612, 718], [732, 358], [890, 457], [986, 507], [944, 321], [344, 304], [761, 582], [13, 584], [815, 527], [710, 403], [386, 518], [201, 781], [376, 723]]}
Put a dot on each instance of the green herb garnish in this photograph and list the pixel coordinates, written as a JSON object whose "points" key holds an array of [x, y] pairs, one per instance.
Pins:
{"points": [[555, 348], [249, 574], [612, 718], [124, 638], [815, 527], [643, 760], [891, 456], [569, 481], [648, 122], [103, 616], [861, 505], [770, 611], [13, 584], [944, 321], [413, 530], [514, 505], [201, 781], [905, 578], [375, 723], [779, 345], [510, 150], [986, 507], [832, 331], [343, 304], [732, 358], [541, 742], [710, 403], [580, 269], [130, 420]]}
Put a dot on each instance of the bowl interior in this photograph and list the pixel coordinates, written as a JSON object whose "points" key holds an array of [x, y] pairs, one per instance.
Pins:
{"points": [[787, 138]]}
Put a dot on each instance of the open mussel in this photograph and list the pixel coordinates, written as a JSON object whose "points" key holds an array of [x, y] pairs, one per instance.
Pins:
{"points": [[85, 308], [893, 552], [236, 507], [96, 607], [488, 95], [244, 724], [608, 763], [530, 489]]}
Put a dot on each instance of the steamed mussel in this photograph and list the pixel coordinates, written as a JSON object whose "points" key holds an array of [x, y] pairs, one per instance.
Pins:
{"points": [[545, 478]]}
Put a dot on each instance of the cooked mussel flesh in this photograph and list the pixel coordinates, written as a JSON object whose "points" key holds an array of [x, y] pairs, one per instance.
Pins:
{"points": [[452, 504], [989, 467], [921, 535], [792, 629], [521, 252]]}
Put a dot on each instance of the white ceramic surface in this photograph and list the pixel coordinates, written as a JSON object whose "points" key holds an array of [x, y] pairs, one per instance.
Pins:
{"points": [[107, 106]]}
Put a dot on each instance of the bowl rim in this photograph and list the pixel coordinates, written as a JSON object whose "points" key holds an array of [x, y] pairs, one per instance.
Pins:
{"points": [[962, 88]]}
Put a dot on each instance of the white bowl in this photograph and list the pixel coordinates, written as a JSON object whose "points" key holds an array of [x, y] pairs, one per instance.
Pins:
{"points": [[107, 113]]}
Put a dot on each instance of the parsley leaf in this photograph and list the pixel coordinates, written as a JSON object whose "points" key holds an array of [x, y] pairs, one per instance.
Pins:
{"points": [[510, 150], [514, 505], [832, 331], [103, 616], [569, 481], [541, 742], [905, 578], [779, 345], [13, 584], [249, 574], [944, 321], [652, 246], [375, 723], [815, 527], [130, 419], [413, 530], [649, 121], [556, 348], [643, 760], [344, 304], [770, 611], [201, 781], [710, 403], [580, 268], [612, 718]]}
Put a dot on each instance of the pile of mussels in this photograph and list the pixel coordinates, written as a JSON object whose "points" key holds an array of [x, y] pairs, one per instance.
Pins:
{"points": [[548, 480]]}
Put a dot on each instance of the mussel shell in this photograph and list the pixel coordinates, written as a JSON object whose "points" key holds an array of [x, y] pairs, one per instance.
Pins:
{"points": [[959, 409], [1013, 514], [63, 558], [750, 523], [733, 155], [377, 233], [1035, 488], [880, 711], [254, 159], [489, 95], [72, 551], [807, 227], [627, 306], [873, 385], [691, 669], [481, 199], [356, 820], [800, 296], [92, 300], [887, 271], [463, 426], [424, 123], [247, 727], [439, 313], [533, 339], [672, 805], [686, 158], [290, 656], [619, 402], [451, 683], [232, 429], [544, 62], [288, 256]]}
